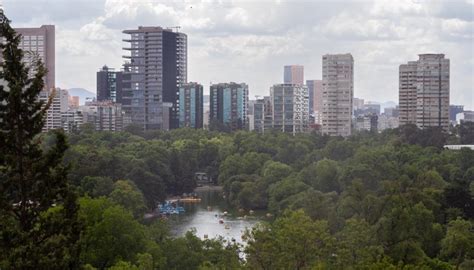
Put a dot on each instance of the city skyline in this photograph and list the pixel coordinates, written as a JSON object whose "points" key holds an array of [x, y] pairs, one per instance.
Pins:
{"points": [[381, 36]]}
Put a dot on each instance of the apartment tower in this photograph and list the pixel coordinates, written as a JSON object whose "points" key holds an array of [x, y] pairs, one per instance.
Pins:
{"points": [[290, 107], [39, 43], [156, 66], [191, 105], [338, 92], [424, 92], [315, 93], [109, 85], [229, 104]]}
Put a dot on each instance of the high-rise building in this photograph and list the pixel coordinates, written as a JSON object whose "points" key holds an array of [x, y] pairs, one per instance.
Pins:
{"points": [[407, 92], [290, 107], [59, 105], [293, 74], [424, 92], [229, 104], [263, 116], [191, 105], [368, 122], [157, 66], [338, 92], [40, 43], [315, 91], [72, 120], [357, 104], [387, 122], [453, 111], [109, 85], [104, 115]]}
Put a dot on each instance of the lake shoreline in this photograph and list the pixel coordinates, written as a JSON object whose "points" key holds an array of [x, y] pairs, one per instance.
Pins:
{"points": [[208, 188]]}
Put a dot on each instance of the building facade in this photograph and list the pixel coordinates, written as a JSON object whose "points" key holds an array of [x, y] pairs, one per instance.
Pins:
{"points": [[293, 74], [316, 87], [156, 66], [59, 104], [40, 43], [387, 122], [407, 92], [72, 120], [290, 107], [424, 92], [103, 115], [109, 85], [368, 122], [191, 105], [263, 116], [453, 111], [229, 104], [338, 92]]}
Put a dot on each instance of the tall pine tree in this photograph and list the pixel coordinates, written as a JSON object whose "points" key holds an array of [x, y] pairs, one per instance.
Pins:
{"points": [[39, 227]]}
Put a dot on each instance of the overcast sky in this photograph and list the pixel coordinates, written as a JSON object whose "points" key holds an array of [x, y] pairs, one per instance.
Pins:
{"points": [[251, 41]]}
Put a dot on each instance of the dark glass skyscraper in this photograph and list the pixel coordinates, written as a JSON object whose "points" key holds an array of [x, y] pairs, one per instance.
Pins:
{"points": [[156, 67], [109, 85]]}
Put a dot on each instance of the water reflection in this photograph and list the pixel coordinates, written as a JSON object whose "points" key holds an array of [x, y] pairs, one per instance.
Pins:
{"points": [[204, 218]]}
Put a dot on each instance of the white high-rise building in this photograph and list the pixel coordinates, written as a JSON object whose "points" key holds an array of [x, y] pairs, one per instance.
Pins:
{"points": [[59, 105], [338, 92]]}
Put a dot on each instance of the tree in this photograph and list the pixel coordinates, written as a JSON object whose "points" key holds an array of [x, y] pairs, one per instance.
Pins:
{"points": [[111, 233], [458, 244], [38, 211], [293, 241], [466, 132], [126, 194]]}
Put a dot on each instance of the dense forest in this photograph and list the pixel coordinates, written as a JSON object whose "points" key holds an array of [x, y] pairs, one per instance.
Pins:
{"points": [[371, 201]]}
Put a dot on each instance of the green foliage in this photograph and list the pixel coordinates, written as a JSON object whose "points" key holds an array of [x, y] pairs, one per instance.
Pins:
{"points": [[292, 242], [38, 211], [111, 233], [458, 244], [127, 195], [370, 201]]}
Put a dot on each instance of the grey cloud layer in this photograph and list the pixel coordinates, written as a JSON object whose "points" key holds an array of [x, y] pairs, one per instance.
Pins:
{"points": [[251, 40]]}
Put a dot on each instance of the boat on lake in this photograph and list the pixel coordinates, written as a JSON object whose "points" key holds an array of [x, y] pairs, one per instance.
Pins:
{"points": [[170, 208]]}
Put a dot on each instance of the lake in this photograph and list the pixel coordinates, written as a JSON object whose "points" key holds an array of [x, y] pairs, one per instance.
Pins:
{"points": [[206, 221]]}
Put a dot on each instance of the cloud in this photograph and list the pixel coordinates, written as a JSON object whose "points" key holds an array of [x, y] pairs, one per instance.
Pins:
{"points": [[250, 41]]}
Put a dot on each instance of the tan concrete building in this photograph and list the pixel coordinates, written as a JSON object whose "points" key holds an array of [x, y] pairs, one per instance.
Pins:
{"points": [[338, 92], [424, 92], [40, 42], [293, 74]]}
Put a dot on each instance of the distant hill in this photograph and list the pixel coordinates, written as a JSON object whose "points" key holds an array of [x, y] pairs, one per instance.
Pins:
{"points": [[82, 93]]}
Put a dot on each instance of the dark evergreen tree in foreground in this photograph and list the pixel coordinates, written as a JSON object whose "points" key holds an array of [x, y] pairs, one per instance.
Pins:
{"points": [[39, 228]]}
